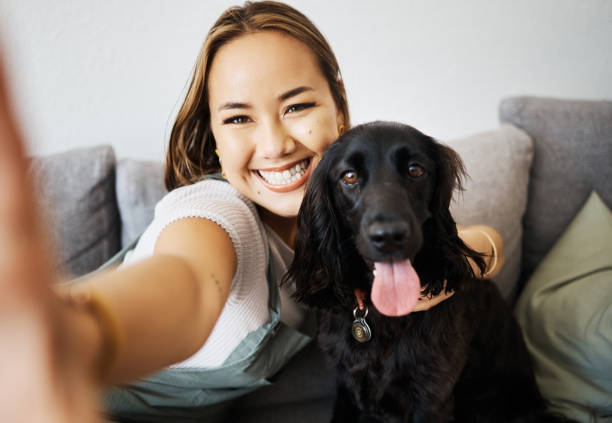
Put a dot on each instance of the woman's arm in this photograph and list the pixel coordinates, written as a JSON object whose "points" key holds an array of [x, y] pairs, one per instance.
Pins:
{"points": [[162, 310], [487, 241]]}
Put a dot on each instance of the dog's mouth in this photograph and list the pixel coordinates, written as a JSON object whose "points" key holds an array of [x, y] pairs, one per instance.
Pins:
{"points": [[396, 287]]}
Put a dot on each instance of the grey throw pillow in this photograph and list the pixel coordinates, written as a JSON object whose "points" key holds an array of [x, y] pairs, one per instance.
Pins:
{"points": [[76, 190], [495, 193]]}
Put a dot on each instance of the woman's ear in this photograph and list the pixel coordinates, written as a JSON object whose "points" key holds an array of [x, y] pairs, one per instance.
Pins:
{"points": [[340, 81], [340, 123]]}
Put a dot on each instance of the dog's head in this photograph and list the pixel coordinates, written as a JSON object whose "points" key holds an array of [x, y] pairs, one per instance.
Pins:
{"points": [[376, 217]]}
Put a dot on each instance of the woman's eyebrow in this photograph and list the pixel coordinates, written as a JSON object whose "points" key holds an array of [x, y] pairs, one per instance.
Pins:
{"points": [[234, 105], [294, 92], [282, 97]]}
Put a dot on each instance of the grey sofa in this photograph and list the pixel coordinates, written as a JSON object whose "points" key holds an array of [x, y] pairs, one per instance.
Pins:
{"points": [[528, 178]]}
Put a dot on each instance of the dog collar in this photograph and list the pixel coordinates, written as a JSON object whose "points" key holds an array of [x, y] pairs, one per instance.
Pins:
{"points": [[360, 295]]}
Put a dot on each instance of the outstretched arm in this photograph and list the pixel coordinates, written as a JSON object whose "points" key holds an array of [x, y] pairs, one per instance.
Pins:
{"points": [[40, 382], [126, 323], [160, 311]]}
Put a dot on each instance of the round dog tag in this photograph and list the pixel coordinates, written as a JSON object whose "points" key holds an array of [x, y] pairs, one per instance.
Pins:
{"points": [[361, 330]]}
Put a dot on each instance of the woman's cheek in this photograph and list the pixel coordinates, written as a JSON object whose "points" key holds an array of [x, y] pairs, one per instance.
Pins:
{"points": [[235, 141], [326, 138], [322, 135]]}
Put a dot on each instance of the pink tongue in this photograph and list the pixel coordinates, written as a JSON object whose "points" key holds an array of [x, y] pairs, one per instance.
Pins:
{"points": [[396, 288]]}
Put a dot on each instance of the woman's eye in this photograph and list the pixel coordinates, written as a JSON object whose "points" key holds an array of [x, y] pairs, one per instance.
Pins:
{"points": [[415, 170], [349, 177], [236, 120], [298, 107]]}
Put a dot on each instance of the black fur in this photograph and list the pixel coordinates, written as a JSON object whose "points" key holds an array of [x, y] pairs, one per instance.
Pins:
{"points": [[463, 360]]}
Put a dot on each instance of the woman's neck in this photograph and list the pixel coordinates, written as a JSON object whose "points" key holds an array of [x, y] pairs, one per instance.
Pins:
{"points": [[284, 227]]}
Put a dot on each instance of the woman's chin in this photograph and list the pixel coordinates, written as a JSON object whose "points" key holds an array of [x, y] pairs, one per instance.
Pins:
{"points": [[280, 210]]}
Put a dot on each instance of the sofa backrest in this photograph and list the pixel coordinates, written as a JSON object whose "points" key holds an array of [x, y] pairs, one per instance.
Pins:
{"points": [[572, 157]]}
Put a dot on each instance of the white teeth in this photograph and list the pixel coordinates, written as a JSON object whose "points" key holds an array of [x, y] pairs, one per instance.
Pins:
{"points": [[286, 176], [374, 272]]}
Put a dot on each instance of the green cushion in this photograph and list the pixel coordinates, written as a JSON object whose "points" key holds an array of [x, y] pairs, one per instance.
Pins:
{"points": [[566, 315]]}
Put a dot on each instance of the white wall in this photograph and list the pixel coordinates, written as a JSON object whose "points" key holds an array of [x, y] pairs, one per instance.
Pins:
{"points": [[88, 72]]}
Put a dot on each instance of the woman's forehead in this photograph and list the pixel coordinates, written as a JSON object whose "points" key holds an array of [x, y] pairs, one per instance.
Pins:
{"points": [[266, 63]]}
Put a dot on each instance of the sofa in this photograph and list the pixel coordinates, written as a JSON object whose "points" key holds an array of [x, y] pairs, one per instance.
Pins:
{"points": [[528, 178]]}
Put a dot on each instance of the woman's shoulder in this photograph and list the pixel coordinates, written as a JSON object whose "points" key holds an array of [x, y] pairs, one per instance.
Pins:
{"points": [[216, 201], [206, 190]]}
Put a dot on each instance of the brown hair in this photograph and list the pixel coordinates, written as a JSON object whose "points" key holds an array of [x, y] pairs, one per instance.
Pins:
{"points": [[191, 149]]}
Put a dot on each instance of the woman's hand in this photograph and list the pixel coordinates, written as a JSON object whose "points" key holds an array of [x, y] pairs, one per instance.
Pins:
{"points": [[45, 375], [487, 241]]}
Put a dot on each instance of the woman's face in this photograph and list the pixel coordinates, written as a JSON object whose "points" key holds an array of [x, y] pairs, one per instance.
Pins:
{"points": [[272, 115]]}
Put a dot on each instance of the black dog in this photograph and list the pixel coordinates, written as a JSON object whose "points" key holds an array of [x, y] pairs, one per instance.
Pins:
{"points": [[375, 223]]}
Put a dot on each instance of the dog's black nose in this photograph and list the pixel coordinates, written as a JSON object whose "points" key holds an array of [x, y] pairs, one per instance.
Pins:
{"points": [[388, 236]]}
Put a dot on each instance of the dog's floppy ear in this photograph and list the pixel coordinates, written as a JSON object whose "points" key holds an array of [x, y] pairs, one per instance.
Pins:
{"points": [[450, 175], [318, 263], [449, 248]]}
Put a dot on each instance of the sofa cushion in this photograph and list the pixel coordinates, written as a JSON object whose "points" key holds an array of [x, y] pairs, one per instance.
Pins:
{"points": [[76, 190], [572, 157], [140, 185], [495, 193], [566, 315]]}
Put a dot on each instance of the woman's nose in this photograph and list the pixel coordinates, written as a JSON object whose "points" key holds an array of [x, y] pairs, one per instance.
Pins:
{"points": [[275, 141]]}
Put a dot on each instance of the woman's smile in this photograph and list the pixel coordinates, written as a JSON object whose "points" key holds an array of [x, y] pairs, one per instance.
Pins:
{"points": [[285, 178]]}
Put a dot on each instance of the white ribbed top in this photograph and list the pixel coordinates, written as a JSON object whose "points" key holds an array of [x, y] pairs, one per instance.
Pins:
{"points": [[247, 306]]}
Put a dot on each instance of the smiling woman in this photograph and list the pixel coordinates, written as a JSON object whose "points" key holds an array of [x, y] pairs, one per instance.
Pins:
{"points": [[198, 296], [265, 102]]}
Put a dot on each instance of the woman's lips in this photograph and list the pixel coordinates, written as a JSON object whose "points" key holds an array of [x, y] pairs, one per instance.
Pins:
{"points": [[286, 187]]}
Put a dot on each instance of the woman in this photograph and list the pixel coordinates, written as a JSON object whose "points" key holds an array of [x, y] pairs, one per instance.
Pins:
{"points": [[265, 102]]}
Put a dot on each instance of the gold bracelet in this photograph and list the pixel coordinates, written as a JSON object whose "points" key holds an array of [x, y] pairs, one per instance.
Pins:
{"points": [[488, 237]]}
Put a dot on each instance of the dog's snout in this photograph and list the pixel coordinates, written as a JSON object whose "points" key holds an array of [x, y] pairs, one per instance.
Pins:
{"points": [[388, 236]]}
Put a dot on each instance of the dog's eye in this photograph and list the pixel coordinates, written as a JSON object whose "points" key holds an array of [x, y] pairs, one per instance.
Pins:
{"points": [[416, 171], [349, 177]]}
